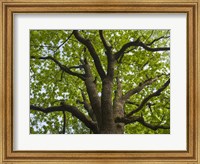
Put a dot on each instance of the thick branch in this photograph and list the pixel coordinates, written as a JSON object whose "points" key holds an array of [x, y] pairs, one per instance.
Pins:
{"points": [[153, 49], [106, 45], [145, 100], [88, 107], [127, 120], [92, 92], [140, 119], [62, 67], [71, 109], [110, 57], [153, 127], [139, 88], [138, 43], [92, 51]]}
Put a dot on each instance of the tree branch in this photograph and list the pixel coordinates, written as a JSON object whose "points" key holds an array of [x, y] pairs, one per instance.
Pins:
{"points": [[141, 44], [157, 39], [88, 107], [92, 92], [139, 88], [145, 100], [138, 43], [64, 122], [118, 104], [110, 57], [153, 127], [63, 42], [127, 120], [140, 119], [106, 45], [62, 67], [118, 92], [52, 48], [71, 109], [76, 67], [92, 51]]}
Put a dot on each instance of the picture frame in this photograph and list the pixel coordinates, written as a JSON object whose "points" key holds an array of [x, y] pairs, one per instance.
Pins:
{"points": [[10, 7]]}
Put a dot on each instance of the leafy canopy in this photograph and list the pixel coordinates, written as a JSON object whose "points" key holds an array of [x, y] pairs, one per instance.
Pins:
{"points": [[49, 84]]}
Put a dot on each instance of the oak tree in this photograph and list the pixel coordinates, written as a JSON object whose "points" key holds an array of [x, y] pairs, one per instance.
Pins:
{"points": [[99, 81]]}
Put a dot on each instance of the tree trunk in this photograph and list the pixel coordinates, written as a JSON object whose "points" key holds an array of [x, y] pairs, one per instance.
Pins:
{"points": [[108, 124]]}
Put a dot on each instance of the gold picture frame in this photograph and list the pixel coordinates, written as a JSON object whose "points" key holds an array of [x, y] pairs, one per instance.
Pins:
{"points": [[190, 7]]}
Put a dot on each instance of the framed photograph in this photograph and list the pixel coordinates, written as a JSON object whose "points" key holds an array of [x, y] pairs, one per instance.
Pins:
{"points": [[104, 81]]}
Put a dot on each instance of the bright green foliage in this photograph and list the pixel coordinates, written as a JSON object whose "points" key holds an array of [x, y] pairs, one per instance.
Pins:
{"points": [[49, 84]]}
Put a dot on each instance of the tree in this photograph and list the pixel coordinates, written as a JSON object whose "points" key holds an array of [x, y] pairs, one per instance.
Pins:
{"points": [[99, 81]]}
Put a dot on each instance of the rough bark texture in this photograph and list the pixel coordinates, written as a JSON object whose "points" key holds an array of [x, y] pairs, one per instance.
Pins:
{"points": [[118, 107], [119, 113], [108, 125]]}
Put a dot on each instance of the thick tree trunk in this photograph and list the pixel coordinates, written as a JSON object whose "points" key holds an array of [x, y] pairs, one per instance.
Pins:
{"points": [[108, 124]]}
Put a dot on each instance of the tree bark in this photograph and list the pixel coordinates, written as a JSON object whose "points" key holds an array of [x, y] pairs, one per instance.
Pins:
{"points": [[108, 124], [94, 98], [118, 107], [119, 113]]}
